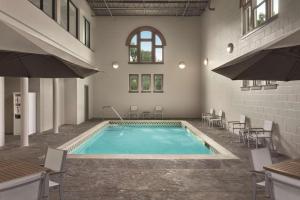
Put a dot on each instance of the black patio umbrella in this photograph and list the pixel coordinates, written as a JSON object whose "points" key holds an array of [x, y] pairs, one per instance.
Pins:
{"points": [[20, 64], [281, 64]]}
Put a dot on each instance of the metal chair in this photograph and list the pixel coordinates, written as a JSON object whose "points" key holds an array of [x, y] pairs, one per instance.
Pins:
{"points": [[133, 112], [206, 116], [283, 187], [216, 120], [261, 134], [28, 187], [158, 112], [259, 159], [238, 125], [55, 160]]}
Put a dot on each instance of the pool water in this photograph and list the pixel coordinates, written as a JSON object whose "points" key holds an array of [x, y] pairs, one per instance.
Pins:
{"points": [[122, 139]]}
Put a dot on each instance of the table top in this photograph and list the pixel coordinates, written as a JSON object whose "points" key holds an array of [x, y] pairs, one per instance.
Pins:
{"points": [[12, 169], [289, 168]]}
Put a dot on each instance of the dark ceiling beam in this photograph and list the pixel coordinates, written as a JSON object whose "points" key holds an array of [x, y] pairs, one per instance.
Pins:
{"points": [[150, 1]]}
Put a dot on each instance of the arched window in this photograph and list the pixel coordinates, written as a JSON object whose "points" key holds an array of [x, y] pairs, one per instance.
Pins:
{"points": [[146, 46]]}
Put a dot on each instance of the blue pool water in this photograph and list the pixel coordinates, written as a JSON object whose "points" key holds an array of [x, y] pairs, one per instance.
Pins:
{"points": [[143, 140]]}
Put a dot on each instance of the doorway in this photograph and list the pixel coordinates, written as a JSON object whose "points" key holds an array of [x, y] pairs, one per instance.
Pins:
{"points": [[86, 103]]}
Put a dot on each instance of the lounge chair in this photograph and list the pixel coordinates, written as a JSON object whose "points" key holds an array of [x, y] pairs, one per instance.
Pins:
{"points": [[206, 116], [261, 135], [28, 187], [133, 112], [216, 120], [240, 126], [259, 159], [283, 187], [158, 112], [55, 160]]}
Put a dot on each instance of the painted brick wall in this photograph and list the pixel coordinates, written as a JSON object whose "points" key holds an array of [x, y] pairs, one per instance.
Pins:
{"points": [[282, 105]]}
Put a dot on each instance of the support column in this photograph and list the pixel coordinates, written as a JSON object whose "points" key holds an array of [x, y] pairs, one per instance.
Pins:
{"points": [[24, 112], [56, 105], [2, 120]]}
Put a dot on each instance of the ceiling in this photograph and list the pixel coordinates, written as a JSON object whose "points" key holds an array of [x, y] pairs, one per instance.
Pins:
{"points": [[148, 7]]}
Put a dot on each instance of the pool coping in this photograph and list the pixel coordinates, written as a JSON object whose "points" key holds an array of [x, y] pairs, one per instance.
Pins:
{"points": [[222, 153]]}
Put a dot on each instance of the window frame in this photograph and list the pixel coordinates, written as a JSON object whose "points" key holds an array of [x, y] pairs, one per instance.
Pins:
{"points": [[87, 44], [150, 84], [68, 17], [138, 83], [154, 46], [162, 88], [41, 7], [245, 4]]}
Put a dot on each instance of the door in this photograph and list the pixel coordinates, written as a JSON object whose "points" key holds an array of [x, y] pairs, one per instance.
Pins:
{"points": [[86, 102]]}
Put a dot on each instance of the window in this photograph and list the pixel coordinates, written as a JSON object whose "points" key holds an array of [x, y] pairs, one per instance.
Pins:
{"points": [[255, 13], [87, 33], [158, 82], [245, 83], [146, 46], [146, 82], [69, 17], [257, 83], [269, 82], [133, 83], [48, 6]]}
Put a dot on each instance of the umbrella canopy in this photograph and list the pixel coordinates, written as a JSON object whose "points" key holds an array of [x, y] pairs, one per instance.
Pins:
{"points": [[19, 64], [281, 64]]}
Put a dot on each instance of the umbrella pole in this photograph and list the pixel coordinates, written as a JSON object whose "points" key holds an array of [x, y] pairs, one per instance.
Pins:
{"points": [[24, 112], [55, 105], [2, 121]]}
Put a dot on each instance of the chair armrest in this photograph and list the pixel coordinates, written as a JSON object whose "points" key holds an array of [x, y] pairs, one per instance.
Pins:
{"points": [[57, 172], [257, 172], [232, 122]]}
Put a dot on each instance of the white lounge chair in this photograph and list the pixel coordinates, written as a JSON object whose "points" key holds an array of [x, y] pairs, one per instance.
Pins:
{"points": [[283, 187], [259, 159], [28, 187], [55, 160], [206, 116], [133, 112], [240, 126], [261, 135], [158, 112], [216, 120]]}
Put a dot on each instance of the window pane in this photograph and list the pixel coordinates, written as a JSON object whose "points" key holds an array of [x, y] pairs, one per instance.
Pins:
{"points": [[245, 83], [260, 15], [133, 82], [157, 40], [133, 54], [146, 34], [158, 82], [275, 10], [87, 33], [37, 3], [133, 40], [146, 51], [158, 55], [73, 19], [64, 14], [146, 82], [48, 7]]}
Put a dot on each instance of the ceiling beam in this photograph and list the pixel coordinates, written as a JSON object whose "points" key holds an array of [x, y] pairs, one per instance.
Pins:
{"points": [[108, 8]]}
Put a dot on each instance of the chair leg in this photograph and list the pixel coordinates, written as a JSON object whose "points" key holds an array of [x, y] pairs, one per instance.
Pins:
{"points": [[254, 188], [256, 142], [60, 189]]}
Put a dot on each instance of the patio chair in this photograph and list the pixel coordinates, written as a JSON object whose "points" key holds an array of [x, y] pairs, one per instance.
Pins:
{"points": [[283, 187], [216, 120], [240, 126], [133, 112], [28, 187], [261, 135], [259, 159], [158, 112], [206, 116], [55, 160]]}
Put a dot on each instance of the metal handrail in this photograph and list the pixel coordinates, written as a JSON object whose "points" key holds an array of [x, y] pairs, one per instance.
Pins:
{"points": [[114, 110]]}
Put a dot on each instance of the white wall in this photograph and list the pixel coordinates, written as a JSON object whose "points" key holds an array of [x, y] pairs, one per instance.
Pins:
{"points": [[181, 97], [223, 26]]}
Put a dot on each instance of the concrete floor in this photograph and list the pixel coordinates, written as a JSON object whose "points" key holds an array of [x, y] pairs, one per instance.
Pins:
{"points": [[144, 179]]}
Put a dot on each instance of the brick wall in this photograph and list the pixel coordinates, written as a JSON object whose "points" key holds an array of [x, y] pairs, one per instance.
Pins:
{"points": [[282, 105]]}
